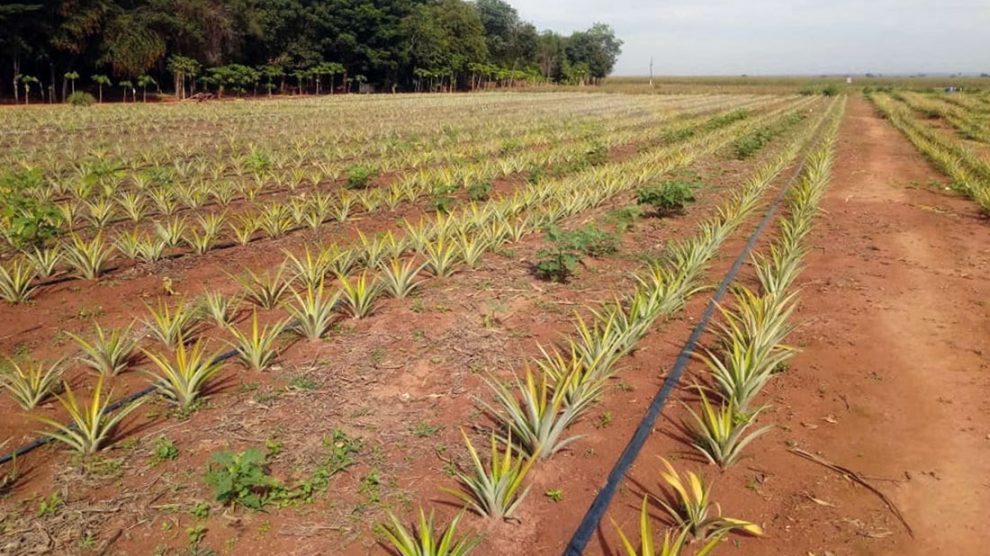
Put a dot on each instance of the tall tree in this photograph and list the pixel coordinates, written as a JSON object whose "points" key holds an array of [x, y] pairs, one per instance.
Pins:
{"points": [[131, 43], [445, 37], [22, 34], [182, 68], [500, 21], [551, 55], [511, 42], [389, 43], [597, 47]]}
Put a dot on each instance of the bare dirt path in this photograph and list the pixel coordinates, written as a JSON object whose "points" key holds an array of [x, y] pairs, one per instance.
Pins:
{"points": [[893, 378]]}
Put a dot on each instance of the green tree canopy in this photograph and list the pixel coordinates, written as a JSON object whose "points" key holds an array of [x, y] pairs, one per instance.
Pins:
{"points": [[597, 47], [390, 43]]}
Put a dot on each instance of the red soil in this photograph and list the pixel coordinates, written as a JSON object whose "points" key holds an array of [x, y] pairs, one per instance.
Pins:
{"points": [[892, 380], [889, 383]]}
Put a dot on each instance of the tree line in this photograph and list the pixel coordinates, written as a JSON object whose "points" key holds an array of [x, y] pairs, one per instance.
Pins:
{"points": [[48, 48]]}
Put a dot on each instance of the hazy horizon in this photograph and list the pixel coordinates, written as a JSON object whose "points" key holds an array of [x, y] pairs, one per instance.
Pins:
{"points": [[778, 38], [878, 74]]}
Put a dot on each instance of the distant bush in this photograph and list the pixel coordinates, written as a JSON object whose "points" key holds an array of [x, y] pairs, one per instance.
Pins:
{"points": [[831, 90], [558, 262], [719, 122], [588, 240], [241, 479], [555, 264], [669, 197], [80, 98], [24, 220], [678, 135], [624, 217], [596, 155], [479, 191], [443, 204], [878, 89], [749, 144], [360, 176], [510, 145], [535, 175]]}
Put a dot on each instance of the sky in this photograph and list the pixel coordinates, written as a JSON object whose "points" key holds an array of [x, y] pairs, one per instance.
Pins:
{"points": [[777, 37]]}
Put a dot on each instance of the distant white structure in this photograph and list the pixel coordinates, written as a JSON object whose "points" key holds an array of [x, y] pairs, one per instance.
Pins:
{"points": [[849, 80]]}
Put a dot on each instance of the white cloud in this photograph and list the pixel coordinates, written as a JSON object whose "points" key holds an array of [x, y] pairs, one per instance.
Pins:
{"points": [[705, 37]]}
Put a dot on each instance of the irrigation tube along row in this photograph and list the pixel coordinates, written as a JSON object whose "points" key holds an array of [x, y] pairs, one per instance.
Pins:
{"points": [[596, 511], [113, 406], [45, 439], [543, 439]]}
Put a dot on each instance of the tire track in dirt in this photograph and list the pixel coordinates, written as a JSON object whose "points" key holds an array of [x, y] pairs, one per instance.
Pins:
{"points": [[892, 380]]}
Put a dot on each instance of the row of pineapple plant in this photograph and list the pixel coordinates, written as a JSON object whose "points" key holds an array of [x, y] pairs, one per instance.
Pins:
{"points": [[185, 374], [88, 259], [308, 141], [559, 387], [100, 211], [750, 346], [751, 349], [974, 102], [372, 132], [103, 173], [266, 172], [968, 122], [173, 327], [87, 201], [969, 171], [291, 163]]}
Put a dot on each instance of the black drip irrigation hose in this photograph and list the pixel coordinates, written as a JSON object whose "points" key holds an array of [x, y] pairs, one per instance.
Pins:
{"points": [[601, 502], [41, 441]]}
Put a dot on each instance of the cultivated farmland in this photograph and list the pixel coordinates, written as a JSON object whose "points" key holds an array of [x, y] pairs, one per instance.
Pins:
{"points": [[329, 325]]}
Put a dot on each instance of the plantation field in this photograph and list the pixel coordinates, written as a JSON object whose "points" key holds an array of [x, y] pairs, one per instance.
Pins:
{"points": [[292, 325], [783, 84]]}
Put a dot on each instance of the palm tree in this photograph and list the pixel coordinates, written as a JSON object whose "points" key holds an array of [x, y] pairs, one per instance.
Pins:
{"points": [[100, 81], [27, 80], [359, 79], [126, 84], [72, 76], [300, 75], [143, 82], [334, 68], [182, 68], [271, 71], [326, 68]]}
